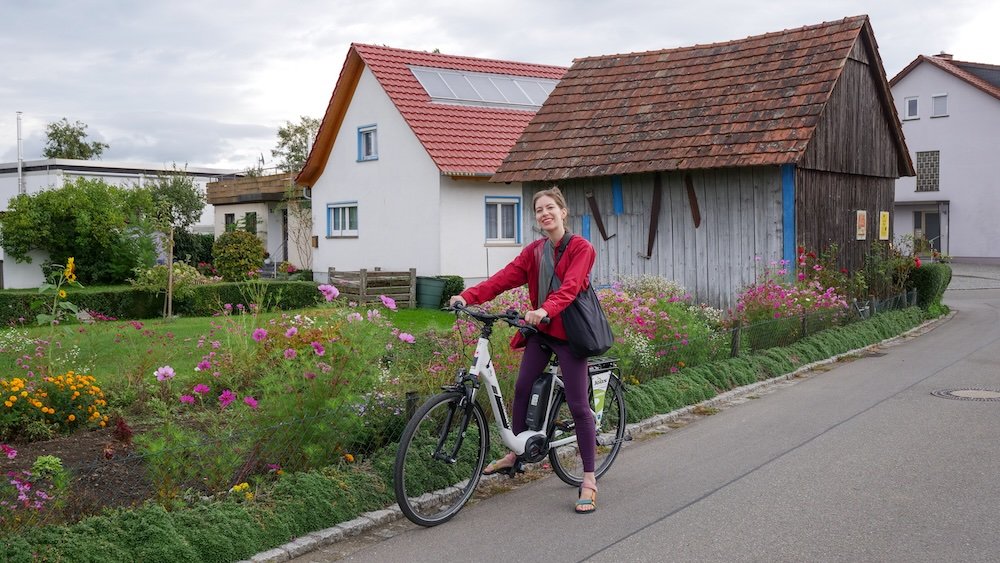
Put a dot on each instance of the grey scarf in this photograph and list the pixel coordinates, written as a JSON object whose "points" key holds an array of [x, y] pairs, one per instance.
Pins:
{"points": [[547, 278]]}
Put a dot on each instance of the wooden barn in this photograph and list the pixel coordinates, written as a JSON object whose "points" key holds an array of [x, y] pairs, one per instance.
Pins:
{"points": [[693, 163]]}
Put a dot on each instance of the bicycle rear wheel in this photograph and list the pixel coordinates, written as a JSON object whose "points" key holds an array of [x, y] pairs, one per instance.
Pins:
{"points": [[565, 460], [440, 458]]}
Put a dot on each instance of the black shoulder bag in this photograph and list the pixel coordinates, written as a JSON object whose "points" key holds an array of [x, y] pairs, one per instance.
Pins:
{"points": [[587, 330]]}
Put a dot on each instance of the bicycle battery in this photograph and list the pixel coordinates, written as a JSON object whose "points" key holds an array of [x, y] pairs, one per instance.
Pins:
{"points": [[538, 402]]}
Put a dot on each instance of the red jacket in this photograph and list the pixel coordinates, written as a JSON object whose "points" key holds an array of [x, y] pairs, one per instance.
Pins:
{"points": [[573, 269]]}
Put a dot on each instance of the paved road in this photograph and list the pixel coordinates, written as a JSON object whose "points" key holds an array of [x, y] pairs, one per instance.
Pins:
{"points": [[857, 462]]}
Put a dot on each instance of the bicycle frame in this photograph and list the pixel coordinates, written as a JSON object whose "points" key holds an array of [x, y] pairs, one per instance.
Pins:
{"points": [[483, 371]]}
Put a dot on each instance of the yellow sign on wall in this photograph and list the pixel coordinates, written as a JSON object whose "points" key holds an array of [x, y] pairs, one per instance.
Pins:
{"points": [[883, 225], [862, 225]]}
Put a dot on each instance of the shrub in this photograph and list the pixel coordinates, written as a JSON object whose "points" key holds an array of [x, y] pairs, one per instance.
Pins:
{"points": [[64, 402], [193, 248], [453, 285], [930, 281], [236, 254], [185, 279]]}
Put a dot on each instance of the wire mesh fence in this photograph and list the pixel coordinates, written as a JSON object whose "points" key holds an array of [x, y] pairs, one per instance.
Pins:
{"points": [[179, 460]]}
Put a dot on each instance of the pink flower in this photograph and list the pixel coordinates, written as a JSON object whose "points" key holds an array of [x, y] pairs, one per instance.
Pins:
{"points": [[187, 399], [354, 317], [10, 452], [250, 401], [289, 353], [259, 334], [373, 314], [407, 337], [216, 344], [318, 348], [291, 332], [389, 302], [228, 306], [201, 389], [136, 325], [309, 375], [226, 398], [203, 365], [329, 292], [164, 373]]}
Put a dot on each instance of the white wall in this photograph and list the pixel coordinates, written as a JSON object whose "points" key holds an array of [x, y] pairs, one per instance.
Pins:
{"points": [[464, 250], [22, 275], [399, 215], [969, 143]]}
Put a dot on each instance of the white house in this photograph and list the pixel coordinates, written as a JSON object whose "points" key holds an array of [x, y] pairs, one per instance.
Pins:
{"points": [[400, 167], [38, 175], [950, 112]]}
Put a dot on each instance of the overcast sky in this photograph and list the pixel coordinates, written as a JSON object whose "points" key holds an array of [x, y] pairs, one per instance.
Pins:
{"points": [[208, 83]]}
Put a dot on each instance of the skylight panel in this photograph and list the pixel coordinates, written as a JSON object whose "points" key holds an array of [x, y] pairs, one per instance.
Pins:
{"points": [[483, 89]]}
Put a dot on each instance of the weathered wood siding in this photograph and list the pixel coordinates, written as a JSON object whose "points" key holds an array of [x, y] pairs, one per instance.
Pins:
{"points": [[854, 135], [826, 204], [740, 220]]}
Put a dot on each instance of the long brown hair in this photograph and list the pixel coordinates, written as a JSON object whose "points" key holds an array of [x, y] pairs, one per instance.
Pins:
{"points": [[555, 193]]}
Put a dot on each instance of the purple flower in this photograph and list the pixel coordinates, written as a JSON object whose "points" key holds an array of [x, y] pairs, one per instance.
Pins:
{"points": [[407, 337], [250, 401], [226, 398], [291, 332], [164, 373], [10, 452], [388, 302], [309, 375], [228, 306], [187, 399], [203, 365], [216, 344], [259, 334], [318, 348], [329, 292], [201, 389], [289, 353], [354, 317]]}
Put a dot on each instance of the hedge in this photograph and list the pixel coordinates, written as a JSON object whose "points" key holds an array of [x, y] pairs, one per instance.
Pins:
{"points": [[930, 280], [129, 303]]}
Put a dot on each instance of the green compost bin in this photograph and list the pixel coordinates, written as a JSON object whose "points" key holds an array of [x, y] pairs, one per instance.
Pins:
{"points": [[429, 292]]}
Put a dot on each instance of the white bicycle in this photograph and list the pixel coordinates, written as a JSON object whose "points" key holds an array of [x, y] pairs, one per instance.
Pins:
{"points": [[445, 444]]}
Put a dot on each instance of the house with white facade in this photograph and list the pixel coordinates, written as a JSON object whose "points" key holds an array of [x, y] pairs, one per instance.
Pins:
{"points": [[398, 174], [950, 112], [37, 175]]}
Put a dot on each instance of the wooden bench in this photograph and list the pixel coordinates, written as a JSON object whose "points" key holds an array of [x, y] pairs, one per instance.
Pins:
{"points": [[365, 286]]}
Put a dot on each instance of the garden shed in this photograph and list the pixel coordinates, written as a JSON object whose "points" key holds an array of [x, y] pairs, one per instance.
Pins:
{"points": [[692, 163]]}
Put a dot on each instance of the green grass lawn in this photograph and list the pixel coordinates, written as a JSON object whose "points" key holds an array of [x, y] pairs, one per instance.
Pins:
{"points": [[121, 352]]}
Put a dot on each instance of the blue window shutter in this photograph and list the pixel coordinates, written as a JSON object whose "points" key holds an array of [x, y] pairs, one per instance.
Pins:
{"points": [[616, 193], [585, 227]]}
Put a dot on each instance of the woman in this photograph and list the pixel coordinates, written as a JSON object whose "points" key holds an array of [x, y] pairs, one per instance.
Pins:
{"points": [[534, 266]]}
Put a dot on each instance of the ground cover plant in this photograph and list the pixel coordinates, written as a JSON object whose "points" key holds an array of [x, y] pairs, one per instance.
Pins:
{"points": [[217, 418]]}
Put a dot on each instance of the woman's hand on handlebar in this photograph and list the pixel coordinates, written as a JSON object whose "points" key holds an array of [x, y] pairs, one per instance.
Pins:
{"points": [[456, 299], [535, 317]]}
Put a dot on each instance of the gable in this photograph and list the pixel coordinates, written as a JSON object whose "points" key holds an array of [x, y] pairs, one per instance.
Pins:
{"points": [[751, 102]]}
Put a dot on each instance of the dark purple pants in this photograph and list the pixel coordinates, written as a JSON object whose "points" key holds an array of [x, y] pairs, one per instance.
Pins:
{"points": [[576, 380]]}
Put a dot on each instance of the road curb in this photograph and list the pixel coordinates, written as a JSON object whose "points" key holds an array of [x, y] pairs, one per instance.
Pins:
{"points": [[652, 425]]}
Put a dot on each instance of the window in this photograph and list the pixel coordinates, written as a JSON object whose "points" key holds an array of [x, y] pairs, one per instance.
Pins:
{"points": [[342, 219], [230, 222], [503, 220], [251, 222], [367, 143], [910, 107], [929, 171], [939, 105]]}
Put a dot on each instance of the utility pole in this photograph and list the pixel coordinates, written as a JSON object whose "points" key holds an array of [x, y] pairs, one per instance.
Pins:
{"points": [[20, 158]]}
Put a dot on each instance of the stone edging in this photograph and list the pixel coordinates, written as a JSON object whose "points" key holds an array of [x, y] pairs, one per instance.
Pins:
{"points": [[370, 520]]}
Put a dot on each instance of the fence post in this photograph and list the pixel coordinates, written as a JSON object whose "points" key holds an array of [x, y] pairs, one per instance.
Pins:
{"points": [[411, 404], [413, 288], [805, 325], [734, 350], [363, 286]]}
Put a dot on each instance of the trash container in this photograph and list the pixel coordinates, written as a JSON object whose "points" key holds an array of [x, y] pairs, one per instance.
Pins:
{"points": [[429, 292]]}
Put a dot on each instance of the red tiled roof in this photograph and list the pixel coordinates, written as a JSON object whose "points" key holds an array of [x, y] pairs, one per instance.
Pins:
{"points": [[750, 102], [461, 140], [956, 68]]}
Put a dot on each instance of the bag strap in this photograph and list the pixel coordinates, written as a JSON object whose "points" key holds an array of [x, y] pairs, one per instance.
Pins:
{"points": [[559, 252]]}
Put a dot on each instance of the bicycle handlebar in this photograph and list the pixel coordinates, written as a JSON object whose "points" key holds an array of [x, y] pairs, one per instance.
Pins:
{"points": [[510, 316]]}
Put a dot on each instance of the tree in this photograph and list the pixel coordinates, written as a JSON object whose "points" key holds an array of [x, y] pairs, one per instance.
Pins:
{"points": [[103, 227], [66, 140], [177, 204], [300, 224], [294, 142]]}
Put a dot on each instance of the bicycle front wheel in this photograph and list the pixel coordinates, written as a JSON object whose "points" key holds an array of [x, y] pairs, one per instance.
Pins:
{"points": [[566, 460], [440, 458]]}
